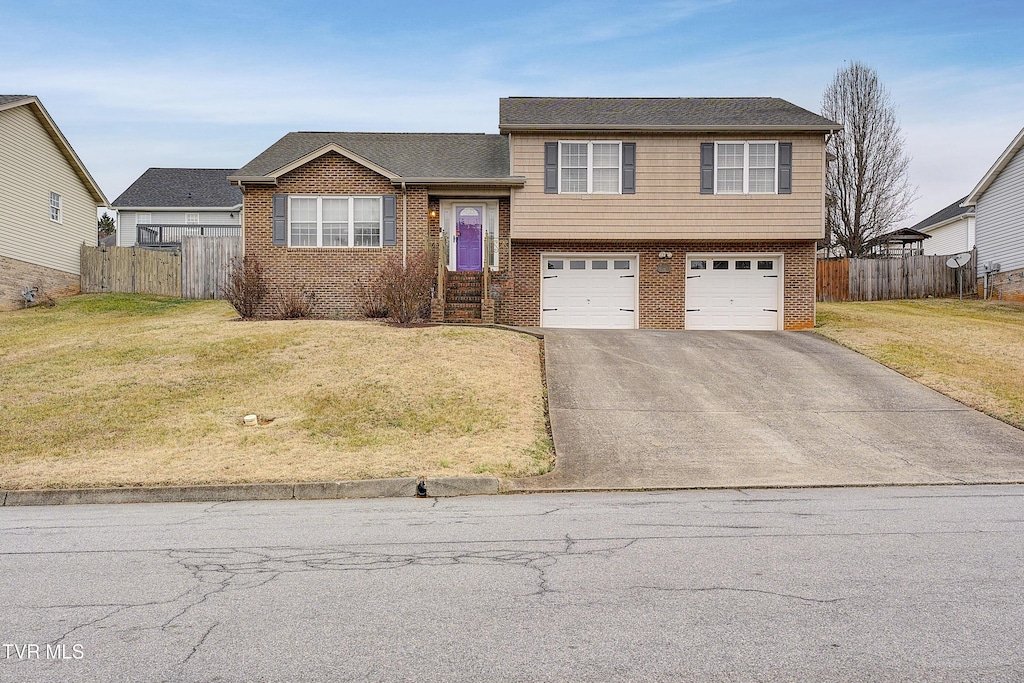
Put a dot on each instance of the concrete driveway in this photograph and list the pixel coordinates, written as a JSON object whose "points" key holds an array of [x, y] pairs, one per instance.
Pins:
{"points": [[649, 408]]}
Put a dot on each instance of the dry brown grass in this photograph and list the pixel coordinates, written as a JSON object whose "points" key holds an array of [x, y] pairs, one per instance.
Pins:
{"points": [[969, 350], [116, 390]]}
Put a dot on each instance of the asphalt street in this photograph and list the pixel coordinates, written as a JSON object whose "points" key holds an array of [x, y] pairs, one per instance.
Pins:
{"points": [[881, 584]]}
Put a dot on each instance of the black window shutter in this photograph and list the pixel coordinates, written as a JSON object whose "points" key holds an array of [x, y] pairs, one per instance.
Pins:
{"points": [[628, 168], [280, 213], [390, 237], [707, 168], [785, 168], [551, 168]]}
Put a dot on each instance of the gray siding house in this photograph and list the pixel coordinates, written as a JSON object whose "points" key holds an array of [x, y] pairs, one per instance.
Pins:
{"points": [[164, 204], [998, 201], [48, 203]]}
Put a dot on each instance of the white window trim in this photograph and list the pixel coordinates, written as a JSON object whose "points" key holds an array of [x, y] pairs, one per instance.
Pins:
{"points": [[140, 216], [320, 220], [189, 217], [59, 207], [590, 164], [491, 219], [746, 164]]}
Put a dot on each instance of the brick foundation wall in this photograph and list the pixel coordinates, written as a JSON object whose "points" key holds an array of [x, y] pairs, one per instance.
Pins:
{"points": [[662, 295], [15, 274], [1008, 286]]}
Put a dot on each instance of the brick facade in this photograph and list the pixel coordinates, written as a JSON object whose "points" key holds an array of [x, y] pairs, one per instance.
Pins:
{"points": [[15, 275], [662, 295], [334, 274]]}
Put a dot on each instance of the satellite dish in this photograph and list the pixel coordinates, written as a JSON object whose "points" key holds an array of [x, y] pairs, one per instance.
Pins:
{"points": [[959, 260]]}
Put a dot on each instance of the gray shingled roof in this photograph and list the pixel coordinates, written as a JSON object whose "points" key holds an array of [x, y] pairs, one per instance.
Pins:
{"points": [[6, 99], [408, 155], [943, 215], [181, 187], [637, 113]]}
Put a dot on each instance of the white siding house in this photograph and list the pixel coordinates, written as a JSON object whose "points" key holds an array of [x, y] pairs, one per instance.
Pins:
{"points": [[951, 230], [176, 198], [48, 203], [998, 201]]}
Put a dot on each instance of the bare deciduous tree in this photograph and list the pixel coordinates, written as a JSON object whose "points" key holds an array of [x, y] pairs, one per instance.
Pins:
{"points": [[869, 189]]}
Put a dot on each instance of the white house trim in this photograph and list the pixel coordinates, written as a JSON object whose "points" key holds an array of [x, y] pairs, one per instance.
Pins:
{"points": [[997, 168]]}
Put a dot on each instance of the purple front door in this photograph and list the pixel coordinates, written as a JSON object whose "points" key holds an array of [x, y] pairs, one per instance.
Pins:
{"points": [[469, 237]]}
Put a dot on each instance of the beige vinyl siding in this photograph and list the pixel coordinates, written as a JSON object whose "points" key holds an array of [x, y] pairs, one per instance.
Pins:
{"points": [[127, 221], [1000, 218], [668, 203], [31, 167], [951, 238]]}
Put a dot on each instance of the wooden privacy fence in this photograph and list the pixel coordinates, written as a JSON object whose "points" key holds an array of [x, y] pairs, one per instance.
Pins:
{"points": [[198, 270], [205, 263], [131, 270], [876, 279]]}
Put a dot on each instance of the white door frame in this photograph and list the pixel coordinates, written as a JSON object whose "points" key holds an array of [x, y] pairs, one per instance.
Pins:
{"points": [[447, 222]]}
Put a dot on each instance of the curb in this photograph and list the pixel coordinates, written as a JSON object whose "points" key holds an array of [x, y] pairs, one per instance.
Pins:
{"points": [[404, 487]]}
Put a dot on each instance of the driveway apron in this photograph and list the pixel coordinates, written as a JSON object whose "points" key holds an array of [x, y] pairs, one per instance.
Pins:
{"points": [[651, 408]]}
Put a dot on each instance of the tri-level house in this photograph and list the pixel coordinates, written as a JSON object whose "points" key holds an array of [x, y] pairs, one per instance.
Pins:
{"points": [[696, 213]]}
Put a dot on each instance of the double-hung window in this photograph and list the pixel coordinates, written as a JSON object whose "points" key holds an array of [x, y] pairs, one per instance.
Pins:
{"points": [[55, 210], [589, 167], [334, 221], [746, 167]]}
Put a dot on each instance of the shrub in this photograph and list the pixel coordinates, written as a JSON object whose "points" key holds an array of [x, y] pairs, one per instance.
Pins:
{"points": [[294, 302], [246, 288], [371, 297], [406, 291]]}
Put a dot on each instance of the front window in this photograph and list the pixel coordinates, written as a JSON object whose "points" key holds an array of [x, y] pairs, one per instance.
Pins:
{"points": [[55, 212], [590, 167], [334, 221], [191, 219], [746, 167]]}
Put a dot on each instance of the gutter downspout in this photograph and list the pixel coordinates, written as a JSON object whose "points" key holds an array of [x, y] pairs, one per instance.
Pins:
{"points": [[405, 231]]}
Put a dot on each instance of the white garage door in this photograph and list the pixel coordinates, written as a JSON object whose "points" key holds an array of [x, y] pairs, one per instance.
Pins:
{"points": [[588, 291], [729, 292]]}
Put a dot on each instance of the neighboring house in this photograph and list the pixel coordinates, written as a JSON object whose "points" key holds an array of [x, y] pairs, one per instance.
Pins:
{"points": [[48, 204], [998, 202], [166, 203], [951, 230], [585, 212]]}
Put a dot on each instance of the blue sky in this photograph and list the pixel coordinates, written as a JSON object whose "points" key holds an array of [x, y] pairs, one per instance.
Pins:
{"points": [[134, 85]]}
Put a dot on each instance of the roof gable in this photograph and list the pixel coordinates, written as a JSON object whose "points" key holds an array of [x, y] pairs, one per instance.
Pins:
{"points": [[181, 187], [398, 156], [1004, 159], [954, 210], [33, 103], [657, 113]]}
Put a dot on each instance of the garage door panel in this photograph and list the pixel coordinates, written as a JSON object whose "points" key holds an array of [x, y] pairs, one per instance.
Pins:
{"points": [[592, 297], [732, 296]]}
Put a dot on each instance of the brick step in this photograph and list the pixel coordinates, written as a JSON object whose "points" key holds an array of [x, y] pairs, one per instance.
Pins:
{"points": [[464, 299], [462, 312]]}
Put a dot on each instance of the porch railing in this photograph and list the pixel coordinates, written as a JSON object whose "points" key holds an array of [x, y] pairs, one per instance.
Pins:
{"points": [[164, 234]]}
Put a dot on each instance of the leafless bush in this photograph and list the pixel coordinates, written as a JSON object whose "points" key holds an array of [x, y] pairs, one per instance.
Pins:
{"points": [[246, 288], [371, 297], [294, 302], [406, 291]]}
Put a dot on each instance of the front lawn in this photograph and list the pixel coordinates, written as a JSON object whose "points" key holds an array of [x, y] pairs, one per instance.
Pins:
{"points": [[125, 390], [970, 350]]}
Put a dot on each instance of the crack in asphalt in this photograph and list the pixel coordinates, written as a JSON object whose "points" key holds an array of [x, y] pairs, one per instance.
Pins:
{"points": [[708, 589]]}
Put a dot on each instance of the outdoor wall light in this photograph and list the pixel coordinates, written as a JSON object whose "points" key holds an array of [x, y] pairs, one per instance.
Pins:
{"points": [[665, 254], [433, 214]]}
